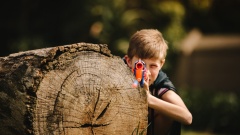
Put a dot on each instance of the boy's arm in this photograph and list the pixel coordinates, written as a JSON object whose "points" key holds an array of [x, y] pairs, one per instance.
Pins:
{"points": [[170, 103]]}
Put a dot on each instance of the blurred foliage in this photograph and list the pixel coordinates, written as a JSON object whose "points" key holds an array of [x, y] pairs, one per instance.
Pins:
{"points": [[30, 25], [35, 24], [213, 16], [213, 111]]}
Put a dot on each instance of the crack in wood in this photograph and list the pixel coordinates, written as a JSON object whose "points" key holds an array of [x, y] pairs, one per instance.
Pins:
{"points": [[104, 111], [93, 125], [98, 97]]}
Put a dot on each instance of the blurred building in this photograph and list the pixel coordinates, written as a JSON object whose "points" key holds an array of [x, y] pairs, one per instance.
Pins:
{"points": [[210, 62]]}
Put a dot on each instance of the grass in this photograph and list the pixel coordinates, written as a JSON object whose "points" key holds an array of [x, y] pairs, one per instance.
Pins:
{"points": [[197, 133], [137, 132]]}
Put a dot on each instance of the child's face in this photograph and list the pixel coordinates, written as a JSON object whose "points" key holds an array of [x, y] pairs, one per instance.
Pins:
{"points": [[153, 66]]}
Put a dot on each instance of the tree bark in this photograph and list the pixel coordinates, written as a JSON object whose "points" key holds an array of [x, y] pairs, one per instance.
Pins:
{"points": [[78, 89]]}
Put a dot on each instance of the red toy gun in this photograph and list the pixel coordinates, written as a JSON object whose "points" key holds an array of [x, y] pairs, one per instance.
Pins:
{"points": [[139, 72]]}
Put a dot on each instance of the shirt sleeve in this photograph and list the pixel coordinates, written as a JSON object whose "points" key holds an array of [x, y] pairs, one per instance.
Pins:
{"points": [[162, 84], [162, 91], [165, 81]]}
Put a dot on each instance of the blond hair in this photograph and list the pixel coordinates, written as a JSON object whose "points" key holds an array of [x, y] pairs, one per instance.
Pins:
{"points": [[147, 43]]}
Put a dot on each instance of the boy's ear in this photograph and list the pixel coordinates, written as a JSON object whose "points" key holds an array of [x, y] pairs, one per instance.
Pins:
{"points": [[128, 60], [162, 62]]}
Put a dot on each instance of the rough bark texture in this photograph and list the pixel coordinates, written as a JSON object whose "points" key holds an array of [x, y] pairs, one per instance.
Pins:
{"points": [[78, 89]]}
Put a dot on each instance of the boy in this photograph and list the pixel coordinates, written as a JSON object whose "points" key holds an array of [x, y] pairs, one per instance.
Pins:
{"points": [[167, 110]]}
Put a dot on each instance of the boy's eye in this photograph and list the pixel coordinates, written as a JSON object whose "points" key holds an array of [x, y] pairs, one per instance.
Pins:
{"points": [[153, 66]]}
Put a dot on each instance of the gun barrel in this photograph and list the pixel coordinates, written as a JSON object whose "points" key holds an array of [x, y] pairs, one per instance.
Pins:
{"points": [[139, 65], [139, 71]]}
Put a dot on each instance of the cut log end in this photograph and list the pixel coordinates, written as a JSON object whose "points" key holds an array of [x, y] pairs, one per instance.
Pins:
{"points": [[74, 89]]}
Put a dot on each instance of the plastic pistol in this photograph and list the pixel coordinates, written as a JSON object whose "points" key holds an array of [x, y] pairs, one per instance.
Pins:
{"points": [[139, 72]]}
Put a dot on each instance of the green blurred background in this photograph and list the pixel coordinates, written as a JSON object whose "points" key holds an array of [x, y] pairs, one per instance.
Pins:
{"points": [[28, 24]]}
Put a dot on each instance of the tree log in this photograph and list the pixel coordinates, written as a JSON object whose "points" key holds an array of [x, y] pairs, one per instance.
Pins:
{"points": [[78, 89]]}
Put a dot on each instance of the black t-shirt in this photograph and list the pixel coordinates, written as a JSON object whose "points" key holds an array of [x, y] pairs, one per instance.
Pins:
{"points": [[162, 82], [159, 87]]}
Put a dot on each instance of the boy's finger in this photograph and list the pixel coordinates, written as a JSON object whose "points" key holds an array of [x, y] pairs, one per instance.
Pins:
{"points": [[146, 84]]}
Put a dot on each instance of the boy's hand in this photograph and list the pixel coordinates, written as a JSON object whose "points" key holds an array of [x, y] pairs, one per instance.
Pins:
{"points": [[146, 81]]}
